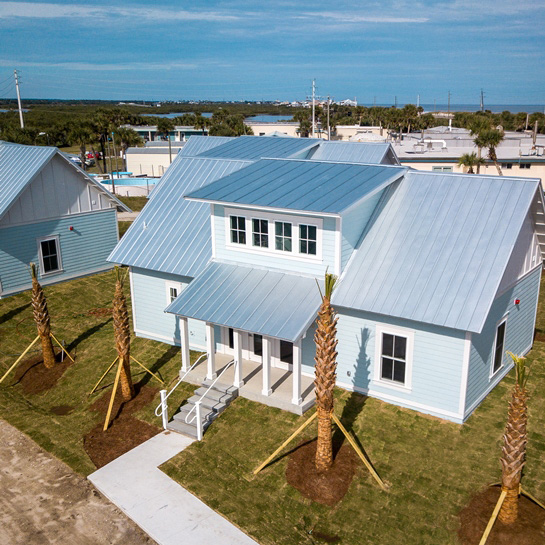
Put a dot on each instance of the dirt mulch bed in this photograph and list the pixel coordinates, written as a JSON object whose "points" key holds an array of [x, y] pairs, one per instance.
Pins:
{"points": [[528, 530], [125, 431], [36, 378], [123, 435], [327, 488], [61, 410]]}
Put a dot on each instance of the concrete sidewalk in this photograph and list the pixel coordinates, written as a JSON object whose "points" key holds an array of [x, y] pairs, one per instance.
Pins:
{"points": [[161, 507]]}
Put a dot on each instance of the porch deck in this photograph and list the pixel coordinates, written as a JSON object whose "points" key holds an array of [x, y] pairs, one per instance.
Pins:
{"points": [[252, 375]]}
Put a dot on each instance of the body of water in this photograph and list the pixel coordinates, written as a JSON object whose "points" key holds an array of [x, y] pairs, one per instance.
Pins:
{"points": [[175, 114], [269, 118]]}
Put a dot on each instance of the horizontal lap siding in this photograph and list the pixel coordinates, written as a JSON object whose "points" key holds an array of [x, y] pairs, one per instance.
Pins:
{"points": [[278, 261], [353, 224], [149, 300], [436, 369], [83, 250], [519, 334]]}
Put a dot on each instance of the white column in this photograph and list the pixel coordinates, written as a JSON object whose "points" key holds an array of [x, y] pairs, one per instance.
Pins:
{"points": [[296, 372], [211, 352], [266, 357], [184, 343], [238, 382]]}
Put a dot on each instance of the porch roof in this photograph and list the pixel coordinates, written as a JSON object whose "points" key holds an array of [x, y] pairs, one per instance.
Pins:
{"points": [[259, 301]]}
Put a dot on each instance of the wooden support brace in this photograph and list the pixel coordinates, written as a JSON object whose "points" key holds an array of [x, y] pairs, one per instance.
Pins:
{"points": [[290, 438], [110, 406], [492, 520], [19, 359], [62, 347], [147, 370], [528, 495], [359, 453], [102, 377]]}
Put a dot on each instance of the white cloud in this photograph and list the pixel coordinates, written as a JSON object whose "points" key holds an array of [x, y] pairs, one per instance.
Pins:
{"points": [[352, 18], [43, 10], [111, 67]]}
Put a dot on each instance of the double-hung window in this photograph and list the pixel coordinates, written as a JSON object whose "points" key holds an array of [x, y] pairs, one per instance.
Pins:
{"points": [[260, 233], [307, 239], [49, 253], [282, 236], [173, 289], [393, 356], [499, 345], [238, 229]]}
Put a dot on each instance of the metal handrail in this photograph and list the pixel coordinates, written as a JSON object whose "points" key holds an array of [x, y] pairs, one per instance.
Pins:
{"points": [[204, 395], [163, 405]]}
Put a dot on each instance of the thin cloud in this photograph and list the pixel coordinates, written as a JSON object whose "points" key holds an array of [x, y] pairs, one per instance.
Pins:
{"points": [[97, 67], [352, 18]]}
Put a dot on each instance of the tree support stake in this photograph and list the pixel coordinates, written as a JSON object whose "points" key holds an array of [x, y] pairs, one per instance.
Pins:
{"points": [[19, 358]]}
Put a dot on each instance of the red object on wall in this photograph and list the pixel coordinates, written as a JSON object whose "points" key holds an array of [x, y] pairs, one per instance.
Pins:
{"points": [[71, 228], [517, 301]]}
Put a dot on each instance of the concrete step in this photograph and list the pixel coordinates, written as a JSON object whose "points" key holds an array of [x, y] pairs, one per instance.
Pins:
{"points": [[208, 404], [214, 394], [182, 427], [226, 388], [206, 416]]}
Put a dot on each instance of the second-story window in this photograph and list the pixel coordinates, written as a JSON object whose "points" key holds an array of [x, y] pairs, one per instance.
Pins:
{"points": [[282, 236], [260, 231], [307, 239], [238, 229]]}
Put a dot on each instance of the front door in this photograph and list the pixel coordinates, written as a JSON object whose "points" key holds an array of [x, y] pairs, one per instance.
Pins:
{"points": [[282, 354], [252, 344]]}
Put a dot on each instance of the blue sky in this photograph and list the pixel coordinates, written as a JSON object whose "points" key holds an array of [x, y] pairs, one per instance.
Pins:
{"points": [[271, 50]]}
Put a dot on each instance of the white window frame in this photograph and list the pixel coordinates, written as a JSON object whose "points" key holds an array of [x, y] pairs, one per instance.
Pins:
{"points": [[39, 241], [502, 365], [179, 286], [260, 234], [283, 237], [237, 230], [399, 332], [272, 218]]}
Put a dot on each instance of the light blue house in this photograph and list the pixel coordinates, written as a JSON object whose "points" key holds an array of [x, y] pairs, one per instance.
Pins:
{"points": [[439, 273], [53, 214]]}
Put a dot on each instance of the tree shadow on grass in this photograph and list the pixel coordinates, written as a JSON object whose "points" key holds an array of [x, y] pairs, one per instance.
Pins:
{"points": [[13, 312], [156, 365], [86, 334]]}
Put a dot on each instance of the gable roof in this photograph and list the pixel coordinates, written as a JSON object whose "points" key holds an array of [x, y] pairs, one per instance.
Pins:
{"points": [[309, 186], [199, 144], [252, 148], [19, 164], [437, 247], [172, 234], [354, 152]]}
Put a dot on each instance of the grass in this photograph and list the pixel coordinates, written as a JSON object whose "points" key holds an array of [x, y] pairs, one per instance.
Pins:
{"points": [[91, 337], [123, 226], [134, 203], [434, 467]]}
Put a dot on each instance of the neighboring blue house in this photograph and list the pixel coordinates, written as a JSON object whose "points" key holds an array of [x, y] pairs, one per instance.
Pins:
{"points": [[53, 214], [439, 273]]}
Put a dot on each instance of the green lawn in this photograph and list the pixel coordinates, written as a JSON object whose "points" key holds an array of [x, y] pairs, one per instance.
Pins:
{"points": [[91, 337], [433, 466], [134, 203]]}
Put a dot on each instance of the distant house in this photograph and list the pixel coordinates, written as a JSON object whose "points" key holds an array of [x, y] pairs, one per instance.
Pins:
{"points": [[53, 214], [439, 273]]}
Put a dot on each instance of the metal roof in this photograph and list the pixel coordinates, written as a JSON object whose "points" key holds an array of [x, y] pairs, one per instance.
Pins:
{"points": [[19, 164], [172, 234], [255, 147], [199, 144], [260, 301], [327, 188], [352, 152], [437, 248]]}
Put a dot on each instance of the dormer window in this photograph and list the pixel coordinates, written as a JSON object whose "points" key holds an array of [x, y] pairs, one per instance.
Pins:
{"points": [[260, 233], [238, 229], [282, 236], [307, 239]]}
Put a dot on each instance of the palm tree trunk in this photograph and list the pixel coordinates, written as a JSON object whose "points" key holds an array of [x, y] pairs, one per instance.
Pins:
{"points": [[42, 320], [122, 334], [479, 155], [494, 157]]}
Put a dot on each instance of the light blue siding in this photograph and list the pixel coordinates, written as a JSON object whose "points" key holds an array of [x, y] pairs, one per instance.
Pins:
{"points": [[519, 334], [308, 350], [436, 363], [353, 224], [277, 260], [149, 300], [83, 250]]}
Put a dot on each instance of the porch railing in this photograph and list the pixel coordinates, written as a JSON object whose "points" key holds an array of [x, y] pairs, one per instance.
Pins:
{"points": [[162, 408], [197, 407]]}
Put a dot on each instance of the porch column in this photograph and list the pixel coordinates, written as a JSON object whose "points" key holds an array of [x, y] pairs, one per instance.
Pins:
{"points": [[237, 337], [184, 343], [211, 352], [266, 357], [296, 372]]}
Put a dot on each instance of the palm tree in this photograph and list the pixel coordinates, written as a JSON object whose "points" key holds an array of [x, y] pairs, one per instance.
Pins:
{"points": [[127, 138], [164, 126], [470, 160], [201, 122], [326, 366], [42, 320], [122, 333], [476, 126], [490, 138], [513, 455], [80, 135]]}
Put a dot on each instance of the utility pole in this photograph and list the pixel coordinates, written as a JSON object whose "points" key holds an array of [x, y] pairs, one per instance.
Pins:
{"points": [[19, 99], [328, 125], [395, 103], [313, 108], [448, 105], [482, 101], [418, 101]]}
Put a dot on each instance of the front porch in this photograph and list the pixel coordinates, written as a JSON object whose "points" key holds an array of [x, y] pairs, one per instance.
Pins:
{"points": [[282, 391]]}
